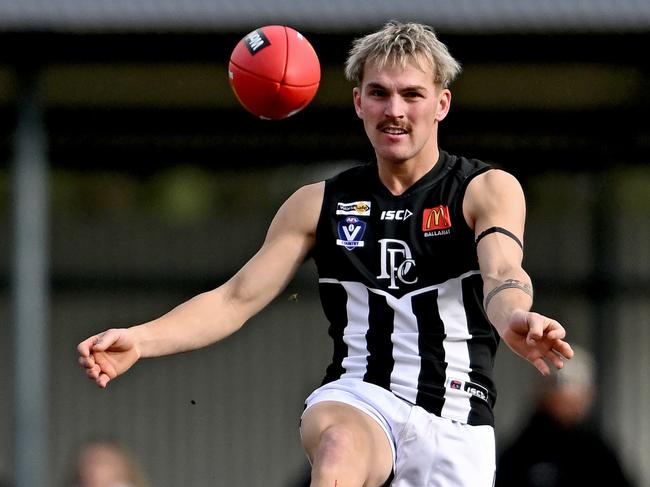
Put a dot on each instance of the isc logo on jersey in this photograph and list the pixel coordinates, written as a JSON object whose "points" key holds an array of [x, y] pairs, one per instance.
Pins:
{"points": [[399, 215], [472, 388]]}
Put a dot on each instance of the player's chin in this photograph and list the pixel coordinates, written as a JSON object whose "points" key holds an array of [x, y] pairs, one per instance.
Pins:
{"points": [[394, 153]]}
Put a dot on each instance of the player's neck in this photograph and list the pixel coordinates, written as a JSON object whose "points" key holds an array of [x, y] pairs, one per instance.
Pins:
{"points": [[399, 176]]}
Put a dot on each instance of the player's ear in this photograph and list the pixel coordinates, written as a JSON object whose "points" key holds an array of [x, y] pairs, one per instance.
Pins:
{"points": [[444, 104], [356, 98]]}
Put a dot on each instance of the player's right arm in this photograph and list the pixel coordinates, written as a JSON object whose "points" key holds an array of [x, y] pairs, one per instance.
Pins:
{"points": [[495, 201], [216, 314]]}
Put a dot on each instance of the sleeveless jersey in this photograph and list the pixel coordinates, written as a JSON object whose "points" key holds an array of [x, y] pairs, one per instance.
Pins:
{"points": [[400, 285]]}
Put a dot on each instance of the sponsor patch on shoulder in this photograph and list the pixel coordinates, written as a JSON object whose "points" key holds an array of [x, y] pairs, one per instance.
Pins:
{"points": [[357, 208], [351, 231]]}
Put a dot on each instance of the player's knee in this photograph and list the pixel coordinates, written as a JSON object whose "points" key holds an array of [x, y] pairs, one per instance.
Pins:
{"points": [[338, 444], [345, 451]]}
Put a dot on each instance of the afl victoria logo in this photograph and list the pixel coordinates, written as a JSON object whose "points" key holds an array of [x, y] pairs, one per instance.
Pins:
{"points": [[350, 231]]}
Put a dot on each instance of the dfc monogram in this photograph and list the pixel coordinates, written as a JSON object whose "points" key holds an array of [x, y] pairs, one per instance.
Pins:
{"points": [[396, 263]]}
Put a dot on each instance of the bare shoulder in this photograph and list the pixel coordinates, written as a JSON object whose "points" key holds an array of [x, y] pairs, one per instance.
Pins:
{"points": [[492, 192], [307, 199], [310, 193], [302, 209], [494, 181]]}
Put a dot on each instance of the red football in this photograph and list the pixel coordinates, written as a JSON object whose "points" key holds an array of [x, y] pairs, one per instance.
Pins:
{"points": [[274, 71]]}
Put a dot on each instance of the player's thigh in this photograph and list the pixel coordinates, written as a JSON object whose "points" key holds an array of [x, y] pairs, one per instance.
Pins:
{"points": [[373, 441]]}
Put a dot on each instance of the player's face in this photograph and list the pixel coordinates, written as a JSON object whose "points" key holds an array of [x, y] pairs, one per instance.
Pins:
{"points": [[400, 109]]}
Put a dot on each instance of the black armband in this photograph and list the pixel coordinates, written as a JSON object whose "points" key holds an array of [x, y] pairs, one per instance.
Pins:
{"points": [[508, 284], [499, 230]]}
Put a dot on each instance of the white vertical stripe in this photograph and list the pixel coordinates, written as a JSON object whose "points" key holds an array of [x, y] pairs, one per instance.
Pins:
{"points": [[404, 377], [354, 334], [452, 312]]}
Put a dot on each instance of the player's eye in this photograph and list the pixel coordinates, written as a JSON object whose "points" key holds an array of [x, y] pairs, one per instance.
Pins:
{"points": [[377, 92]]}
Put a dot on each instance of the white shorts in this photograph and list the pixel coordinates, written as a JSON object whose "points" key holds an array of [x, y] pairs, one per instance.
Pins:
{"points": [[428, 451]]}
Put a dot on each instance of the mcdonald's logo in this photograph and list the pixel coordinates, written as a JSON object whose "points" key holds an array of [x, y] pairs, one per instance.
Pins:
{"points": [[436, 218]]}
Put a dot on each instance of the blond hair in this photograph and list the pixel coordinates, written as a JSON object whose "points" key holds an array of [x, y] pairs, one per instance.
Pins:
{"points": [[399, 44]]}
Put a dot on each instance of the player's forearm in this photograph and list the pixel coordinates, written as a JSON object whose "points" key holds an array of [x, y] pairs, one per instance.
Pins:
{"points": [[199, 322], [504, 296]]}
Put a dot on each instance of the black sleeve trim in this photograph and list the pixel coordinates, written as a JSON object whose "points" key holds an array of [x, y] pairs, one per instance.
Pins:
{"points": [[499, 230]]}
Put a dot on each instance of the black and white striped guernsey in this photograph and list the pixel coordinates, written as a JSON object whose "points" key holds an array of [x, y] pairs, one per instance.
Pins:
{"points": [[400, 285]]}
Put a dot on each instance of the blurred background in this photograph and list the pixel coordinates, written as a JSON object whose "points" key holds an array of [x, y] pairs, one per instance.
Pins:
{"points": [[130, 180]]}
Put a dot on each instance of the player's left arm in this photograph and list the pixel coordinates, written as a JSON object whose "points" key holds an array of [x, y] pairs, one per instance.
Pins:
{"points": [[494, 206]]}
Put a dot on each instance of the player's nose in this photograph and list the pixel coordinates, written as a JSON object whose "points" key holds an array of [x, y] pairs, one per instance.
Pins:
{"points": [[394, 107]]}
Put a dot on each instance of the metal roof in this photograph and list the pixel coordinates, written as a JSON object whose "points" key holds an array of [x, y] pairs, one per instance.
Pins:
{"points": [[324, 15]]}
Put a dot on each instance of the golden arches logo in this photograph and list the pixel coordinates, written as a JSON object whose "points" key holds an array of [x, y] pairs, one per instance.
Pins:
{"points": [[436, 218]]}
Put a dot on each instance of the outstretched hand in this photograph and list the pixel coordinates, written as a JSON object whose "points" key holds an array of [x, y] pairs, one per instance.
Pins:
{"points": [[538, 339], [107, 355]]}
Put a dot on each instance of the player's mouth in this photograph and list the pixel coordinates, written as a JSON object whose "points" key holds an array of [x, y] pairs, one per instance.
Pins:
{"points": [[391, 129]]}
